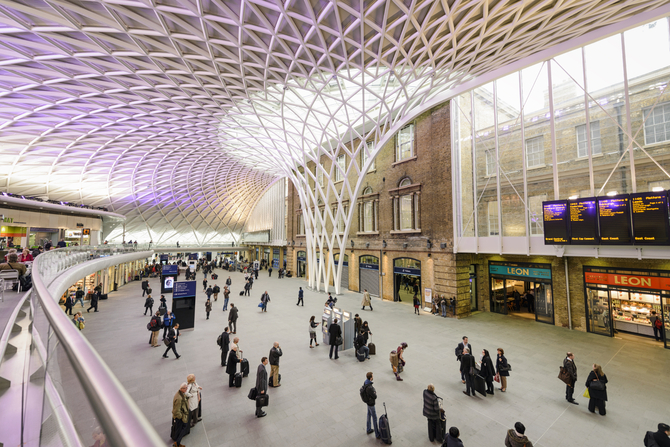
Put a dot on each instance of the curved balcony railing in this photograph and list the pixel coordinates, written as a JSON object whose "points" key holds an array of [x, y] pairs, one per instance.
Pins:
{"points": [[70, 394]]}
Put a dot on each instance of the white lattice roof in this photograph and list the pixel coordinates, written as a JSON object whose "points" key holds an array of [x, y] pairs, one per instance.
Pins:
{"points": [[179, 113]]}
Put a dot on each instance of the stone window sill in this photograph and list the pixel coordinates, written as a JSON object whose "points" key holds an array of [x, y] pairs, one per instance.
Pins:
{"points": [[405, 231], [404, 161]]}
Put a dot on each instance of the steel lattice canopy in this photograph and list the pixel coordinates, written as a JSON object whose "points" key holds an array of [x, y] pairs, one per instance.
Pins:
{"points": [[180, 113]]}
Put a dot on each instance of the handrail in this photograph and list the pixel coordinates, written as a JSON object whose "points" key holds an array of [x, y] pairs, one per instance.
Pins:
{"points": [[7, 333], [122, 421]]}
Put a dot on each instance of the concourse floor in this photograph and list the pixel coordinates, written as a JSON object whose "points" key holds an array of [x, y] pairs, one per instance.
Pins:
{"points": [[318, 403]]}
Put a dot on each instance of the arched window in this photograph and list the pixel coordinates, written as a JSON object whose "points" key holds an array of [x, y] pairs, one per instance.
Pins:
{"points": [[368, 212], [406, 216]]}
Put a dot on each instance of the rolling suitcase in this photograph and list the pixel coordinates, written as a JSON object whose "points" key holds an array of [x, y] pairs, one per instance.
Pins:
{"points": [[480, 385], [384, 428], [360, 356], [245, 367], [238, 380], [372, 348], [242, 293], [270, 380]]}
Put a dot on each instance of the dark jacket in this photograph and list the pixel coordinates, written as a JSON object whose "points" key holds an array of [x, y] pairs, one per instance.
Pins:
{"points": [[596, 394], [661, 438], [149, 302], [501, 361], [335, 331], [488, 370], [431, 407], [172, 335], [467, 361], [460, 348], [275, 353], [216, 289], [514, 440], [209, 291], [79, 293], [450, 441], [232, 314], [360, 342], [231, 365], [225, 340], [571, 368], [94, 298], [261, 379], [371, 392]]}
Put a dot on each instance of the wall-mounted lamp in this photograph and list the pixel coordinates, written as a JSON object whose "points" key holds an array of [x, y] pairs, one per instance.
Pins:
{"points": [[384, 244], [384, 252], [404, 245], [352, 243], [443, 245], [292, 242], [429, 255], [429, 244], [367, 245]]}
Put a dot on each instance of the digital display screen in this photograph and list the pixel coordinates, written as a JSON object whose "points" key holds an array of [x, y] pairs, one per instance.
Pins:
{"points": [[169, 282], [555, 217], [614, 220], [649, 213], [584, 222]]}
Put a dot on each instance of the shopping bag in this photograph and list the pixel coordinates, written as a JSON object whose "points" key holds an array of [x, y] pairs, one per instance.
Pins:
{"points": [[586, 394]]}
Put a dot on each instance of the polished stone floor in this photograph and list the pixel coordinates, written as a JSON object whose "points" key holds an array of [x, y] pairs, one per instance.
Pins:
{"points": [[318, 403]]}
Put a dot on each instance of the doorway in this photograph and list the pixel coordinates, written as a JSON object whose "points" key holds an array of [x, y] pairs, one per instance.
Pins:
{"points": [[406, 279], [302, 263]]}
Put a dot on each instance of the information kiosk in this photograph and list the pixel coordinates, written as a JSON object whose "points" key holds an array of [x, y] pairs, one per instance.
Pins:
{"points": [[346, 322], [183, 304], [168, 278]]}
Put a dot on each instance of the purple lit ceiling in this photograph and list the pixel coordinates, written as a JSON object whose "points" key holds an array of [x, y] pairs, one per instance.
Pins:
{"points": [[180, 113]]}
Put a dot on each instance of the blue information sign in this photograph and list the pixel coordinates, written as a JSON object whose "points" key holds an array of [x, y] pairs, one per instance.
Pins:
{"points": [[184, 289], [302, 259], [524, 272], [193, 256], [369, 266], [170, 270], [164, 257], [407, 271]]}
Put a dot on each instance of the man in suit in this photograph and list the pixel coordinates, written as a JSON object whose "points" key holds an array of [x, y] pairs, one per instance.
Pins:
{"points": [[468, 362], [94, 302], [232, 318], [225, 345], [459, 352], [261, 385], [335, 331], [571, 368], [173, 338]]}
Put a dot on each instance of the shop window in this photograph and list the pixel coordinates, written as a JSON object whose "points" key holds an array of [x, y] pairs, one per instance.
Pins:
{"points": [[535, 152], [657, 123], [493, 218], [368, 212], [365, 155], [535, 218], [341, 166], [405, 143], [582, 141], [406, 206], [490, 163]]}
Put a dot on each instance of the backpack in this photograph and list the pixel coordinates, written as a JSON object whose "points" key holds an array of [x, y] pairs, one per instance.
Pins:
{"points": [[153, 324], [649, 440], [364, 394], [393, 357], [658, 324], [218, 340]]}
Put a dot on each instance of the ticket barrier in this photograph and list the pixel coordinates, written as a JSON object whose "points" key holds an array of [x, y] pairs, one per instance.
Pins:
{"points": [[326, 320], [346, 321]]}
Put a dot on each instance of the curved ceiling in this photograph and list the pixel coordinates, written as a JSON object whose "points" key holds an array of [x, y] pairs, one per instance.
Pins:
{"points": [[180, 113]]}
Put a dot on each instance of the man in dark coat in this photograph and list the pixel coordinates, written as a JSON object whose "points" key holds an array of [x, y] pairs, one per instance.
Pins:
{"points": [[662, 436], [459, 352], [335, 331], [571, 368], [467, 362], [173, 338], [275, 353], [370, 399], [145, 286], [94, 302], [225, 345], [231, 367], [232, 319], [261, 385], [431, 410]]}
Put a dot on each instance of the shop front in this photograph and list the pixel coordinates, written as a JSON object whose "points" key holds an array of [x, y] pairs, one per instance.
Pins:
{"points": [[40, 236], [521, 289], [368, 274], [406, 279], [302, 264], [275, 258], [625, 300]]}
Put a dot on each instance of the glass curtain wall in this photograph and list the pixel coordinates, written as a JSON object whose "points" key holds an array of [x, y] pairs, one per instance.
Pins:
{"points": [[593, 121]]}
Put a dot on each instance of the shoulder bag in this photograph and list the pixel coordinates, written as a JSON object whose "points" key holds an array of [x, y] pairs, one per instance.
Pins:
{"points": [[252, 394], [597, 385]]}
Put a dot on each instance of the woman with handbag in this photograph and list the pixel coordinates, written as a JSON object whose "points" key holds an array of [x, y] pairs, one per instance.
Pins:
{"points": [[434, 413], [502, 368], [597, 388], [193, 395]]}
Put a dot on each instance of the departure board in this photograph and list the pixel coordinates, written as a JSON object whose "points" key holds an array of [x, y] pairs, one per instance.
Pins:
{"points": [[614, 220], [649, 211], [584, 222], [555, 217]]}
